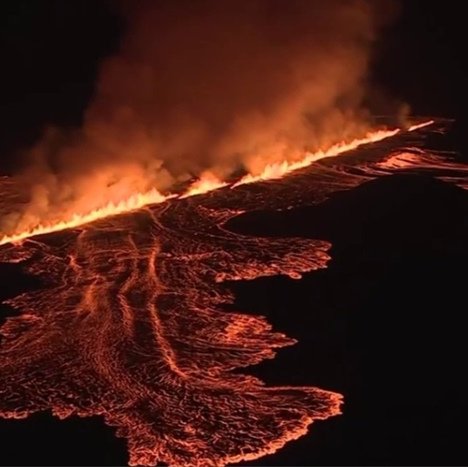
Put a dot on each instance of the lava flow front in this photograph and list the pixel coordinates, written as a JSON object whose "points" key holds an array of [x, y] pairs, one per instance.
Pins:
{"points": [[130, 324]]}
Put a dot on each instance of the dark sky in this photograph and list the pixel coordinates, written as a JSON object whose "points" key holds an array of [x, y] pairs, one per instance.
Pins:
{"points": [[50, 53], [421, 57]]}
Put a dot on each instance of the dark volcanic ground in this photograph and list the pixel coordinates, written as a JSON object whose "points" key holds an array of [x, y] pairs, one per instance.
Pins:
{"points": [[383, 324]]}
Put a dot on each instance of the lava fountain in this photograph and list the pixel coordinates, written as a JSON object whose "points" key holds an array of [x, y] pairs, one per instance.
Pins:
{"points": [[130, 325]]}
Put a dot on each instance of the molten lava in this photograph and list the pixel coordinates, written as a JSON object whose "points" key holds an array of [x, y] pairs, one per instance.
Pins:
{"points": [[136, 201], [130, 324], [208, 182]]}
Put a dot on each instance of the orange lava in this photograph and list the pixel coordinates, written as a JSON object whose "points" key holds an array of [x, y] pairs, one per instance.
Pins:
{"points": [[130, 326], [131, 323], [208, 182], [280, 169], [420, 125], [136, 201]]}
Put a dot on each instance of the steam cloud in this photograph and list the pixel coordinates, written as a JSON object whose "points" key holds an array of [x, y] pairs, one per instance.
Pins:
{"points": [[207, 85]]}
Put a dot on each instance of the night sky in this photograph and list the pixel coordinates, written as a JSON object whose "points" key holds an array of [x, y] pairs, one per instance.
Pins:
{"points": [[383, 324]]}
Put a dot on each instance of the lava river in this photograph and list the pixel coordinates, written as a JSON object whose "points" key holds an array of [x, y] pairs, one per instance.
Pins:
{"points": [[129, 323]]}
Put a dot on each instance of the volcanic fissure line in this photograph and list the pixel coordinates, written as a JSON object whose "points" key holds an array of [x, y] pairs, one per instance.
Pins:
{"points": [[130, 322], [139, 200]]}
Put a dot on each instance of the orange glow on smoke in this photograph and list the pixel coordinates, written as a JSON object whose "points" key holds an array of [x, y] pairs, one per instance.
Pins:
{"points": [[280, 169], [207, 182], [135, 201]]}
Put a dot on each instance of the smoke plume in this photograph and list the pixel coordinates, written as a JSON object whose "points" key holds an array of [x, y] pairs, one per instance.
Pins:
{"points": [[207, 86]]}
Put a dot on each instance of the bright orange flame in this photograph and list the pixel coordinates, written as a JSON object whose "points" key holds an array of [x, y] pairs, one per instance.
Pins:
{"points": [[135, 201], [280, 169], [208, 182], [420, 125]]}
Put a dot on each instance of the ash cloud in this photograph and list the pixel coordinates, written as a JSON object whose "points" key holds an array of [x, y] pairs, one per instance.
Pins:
{"points": [[205, 85]]}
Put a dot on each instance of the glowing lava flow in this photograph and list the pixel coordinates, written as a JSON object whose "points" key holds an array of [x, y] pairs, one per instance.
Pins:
{"points": [[135, 201], [280, 169], [420, 125], [131, 323], [206, 183]]}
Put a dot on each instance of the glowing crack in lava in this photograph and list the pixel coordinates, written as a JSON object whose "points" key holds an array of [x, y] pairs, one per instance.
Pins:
{"points": [[130, 324]]}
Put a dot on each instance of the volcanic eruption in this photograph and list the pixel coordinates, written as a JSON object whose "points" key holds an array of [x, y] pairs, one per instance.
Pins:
{"points": [[210, 109]]}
